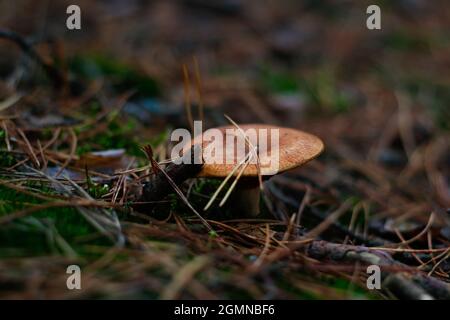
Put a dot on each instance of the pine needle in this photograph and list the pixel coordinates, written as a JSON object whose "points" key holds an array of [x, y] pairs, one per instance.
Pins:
{"points": [[199, 89], [258, 165], [187, 97], [224, 182], [233, 185]]}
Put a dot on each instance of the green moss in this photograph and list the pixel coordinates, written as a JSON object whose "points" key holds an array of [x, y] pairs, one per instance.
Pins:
{"points": [[37, 234], [7, 159], [122, 76], [404, 41], [342, 287], [120, 134], [435, 97], [96, 190], [286, 285], [278, 81], [320, 89]]}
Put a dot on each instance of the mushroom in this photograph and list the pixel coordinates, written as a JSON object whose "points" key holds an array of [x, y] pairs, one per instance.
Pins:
{"points": [[293, 149]]}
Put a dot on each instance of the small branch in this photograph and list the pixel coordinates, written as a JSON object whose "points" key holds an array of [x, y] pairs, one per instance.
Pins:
{"points": [[55, 76], [409, 284]]}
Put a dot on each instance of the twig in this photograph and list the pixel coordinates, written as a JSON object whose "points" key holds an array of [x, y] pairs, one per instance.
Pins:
{"points": [[29, 148], [404, 284], [55, 76]]}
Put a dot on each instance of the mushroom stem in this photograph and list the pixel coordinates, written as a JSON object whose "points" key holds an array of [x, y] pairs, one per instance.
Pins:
{"points": [[245, 198]]}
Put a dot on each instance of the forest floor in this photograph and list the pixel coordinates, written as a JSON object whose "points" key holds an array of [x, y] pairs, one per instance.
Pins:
{"points": [[76, 108]]}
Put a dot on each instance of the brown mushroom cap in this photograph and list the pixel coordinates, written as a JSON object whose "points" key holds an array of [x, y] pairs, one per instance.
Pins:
{"points": [[295, 148]]}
